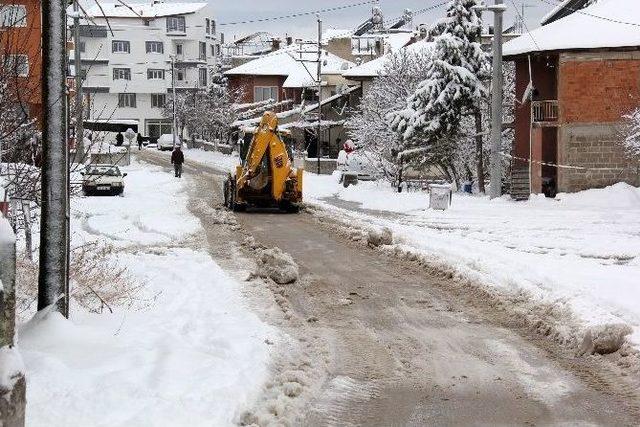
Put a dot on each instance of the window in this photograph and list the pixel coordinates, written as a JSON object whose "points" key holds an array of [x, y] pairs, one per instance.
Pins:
{"points": [[213, 26], [207, 25], [264, 93], [155, 74], [82, 46], [127, 100], [202, 76], [175, 24], [83, 73], [154, 47], [217, 50], [122, 74], [180, 75], [13, 15], [18, 65], [179, 49], [158, 100], [203, 50], [213, 50], [120, 46]]}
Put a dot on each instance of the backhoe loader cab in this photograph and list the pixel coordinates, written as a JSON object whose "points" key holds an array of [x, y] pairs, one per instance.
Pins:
{"points": [[266, 177]]}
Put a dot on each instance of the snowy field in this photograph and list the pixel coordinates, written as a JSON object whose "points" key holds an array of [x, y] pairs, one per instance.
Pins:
{"points": [[192, 354], [579, 251]]}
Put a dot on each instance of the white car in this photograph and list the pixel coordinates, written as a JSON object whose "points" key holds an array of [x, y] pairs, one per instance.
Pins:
{"points": [[354, 167], [102, 179], [165, 142]]}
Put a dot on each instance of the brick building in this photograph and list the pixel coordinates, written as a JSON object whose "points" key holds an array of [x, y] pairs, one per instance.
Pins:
{"points": [[20, 42], [584, 70]]}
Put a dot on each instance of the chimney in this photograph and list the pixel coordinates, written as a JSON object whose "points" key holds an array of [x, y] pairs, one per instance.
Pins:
{"points": [[289, 40], [275, 44]]}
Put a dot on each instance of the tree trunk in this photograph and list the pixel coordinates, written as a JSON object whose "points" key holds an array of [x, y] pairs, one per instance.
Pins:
{"points": [[479, 157]]}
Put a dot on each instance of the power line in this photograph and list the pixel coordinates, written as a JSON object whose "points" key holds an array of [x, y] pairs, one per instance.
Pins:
{"points": [[296, 15], [526, 27]]}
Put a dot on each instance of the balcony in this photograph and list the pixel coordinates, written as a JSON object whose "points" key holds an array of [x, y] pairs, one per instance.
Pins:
{"points": [[544, 111]]}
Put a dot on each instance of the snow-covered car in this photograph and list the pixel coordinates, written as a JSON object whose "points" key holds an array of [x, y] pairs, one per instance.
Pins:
{"points": [[353, 166], [165, 142], [102, 179]]}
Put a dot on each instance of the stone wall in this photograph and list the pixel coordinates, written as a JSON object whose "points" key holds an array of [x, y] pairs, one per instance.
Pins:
{"points": [[593, 146]]}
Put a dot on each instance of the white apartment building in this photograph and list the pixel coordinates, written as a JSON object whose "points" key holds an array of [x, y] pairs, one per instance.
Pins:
{"points": [[126, 56]]}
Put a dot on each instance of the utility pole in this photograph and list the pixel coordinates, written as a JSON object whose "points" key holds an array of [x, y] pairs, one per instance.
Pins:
{"points": [[78, 78], [53, 277], [318, 145], [497, 82], [173, 85]]}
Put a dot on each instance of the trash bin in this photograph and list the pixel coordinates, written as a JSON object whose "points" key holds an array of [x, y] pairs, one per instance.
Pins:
{"points": [[440, 196]]}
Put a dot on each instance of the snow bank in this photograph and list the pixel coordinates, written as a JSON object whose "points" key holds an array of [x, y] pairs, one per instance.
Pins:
{"points": [[197, 355], [278, 266], [579, 252]]}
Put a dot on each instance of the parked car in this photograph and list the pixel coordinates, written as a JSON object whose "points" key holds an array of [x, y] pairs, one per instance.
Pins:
{"points": [[353, 166], [102, 179], [165, 142]]}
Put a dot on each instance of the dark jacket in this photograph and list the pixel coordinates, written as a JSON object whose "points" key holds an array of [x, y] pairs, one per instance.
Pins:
{"points": [[139, 138], [119, 139], [177, 157]]}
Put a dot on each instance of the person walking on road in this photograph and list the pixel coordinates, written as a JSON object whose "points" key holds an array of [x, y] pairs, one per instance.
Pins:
{"points": [[119, 139], [139, 139], [177, 159]]}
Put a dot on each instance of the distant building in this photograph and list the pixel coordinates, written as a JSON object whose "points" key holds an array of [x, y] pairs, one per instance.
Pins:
{"points": [[126, 59], [584, 70], [20, 43]]}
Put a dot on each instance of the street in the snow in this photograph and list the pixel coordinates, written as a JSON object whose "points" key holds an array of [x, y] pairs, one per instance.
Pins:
{"points": [[384, 342]]}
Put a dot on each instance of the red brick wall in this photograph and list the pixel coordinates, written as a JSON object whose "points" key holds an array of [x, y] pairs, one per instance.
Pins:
{"points": [[544, 72], [27, 40], [593, 90]]}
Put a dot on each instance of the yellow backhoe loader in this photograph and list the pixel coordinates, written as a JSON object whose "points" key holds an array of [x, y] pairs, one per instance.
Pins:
{"points": [[266, 177]]}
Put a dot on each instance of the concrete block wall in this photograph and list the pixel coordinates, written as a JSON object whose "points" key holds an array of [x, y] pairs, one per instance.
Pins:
{"points": [[595, 146]]}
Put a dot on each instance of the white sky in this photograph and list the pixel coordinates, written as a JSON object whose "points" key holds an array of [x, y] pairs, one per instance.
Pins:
{"points": [[239, 10]]}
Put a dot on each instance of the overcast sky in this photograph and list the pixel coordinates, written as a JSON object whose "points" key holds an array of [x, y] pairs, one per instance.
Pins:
{"points": [[240, 10]]}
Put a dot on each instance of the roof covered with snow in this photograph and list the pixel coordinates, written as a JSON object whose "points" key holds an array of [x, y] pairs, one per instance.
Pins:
{"points": [[294, 62], [376, 67], [565, 8], [605, 24], [135, 10]]}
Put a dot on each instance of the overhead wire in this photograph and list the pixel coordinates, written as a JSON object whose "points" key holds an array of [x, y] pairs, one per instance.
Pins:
{"points": [[582, 12]]}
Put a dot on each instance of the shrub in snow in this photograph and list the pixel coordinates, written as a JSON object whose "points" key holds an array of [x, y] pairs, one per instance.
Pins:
{"points": [[380, 237], [631, 135], [277, 266]]}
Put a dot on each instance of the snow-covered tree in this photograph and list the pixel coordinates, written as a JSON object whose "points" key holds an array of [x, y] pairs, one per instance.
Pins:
{"points": [[631, 136], [207, 114], [454, 87], [368, 127]]}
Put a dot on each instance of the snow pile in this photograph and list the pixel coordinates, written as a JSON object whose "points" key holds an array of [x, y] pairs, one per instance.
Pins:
{"points": [[278, 266], [579, 253], [195, 355], [379, 237], [605, 339], [152, 211]]}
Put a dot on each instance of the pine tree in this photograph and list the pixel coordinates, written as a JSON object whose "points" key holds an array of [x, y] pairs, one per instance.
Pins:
{"points": [[430, 122]]}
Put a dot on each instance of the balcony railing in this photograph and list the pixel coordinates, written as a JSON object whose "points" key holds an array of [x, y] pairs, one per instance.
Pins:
{"points": [[544, 111]]}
